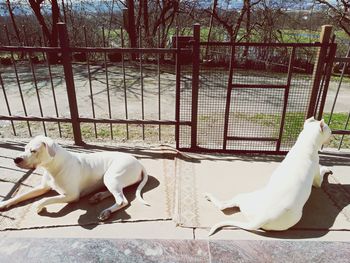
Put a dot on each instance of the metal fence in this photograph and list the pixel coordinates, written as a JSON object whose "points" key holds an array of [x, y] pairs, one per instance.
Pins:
{"points": [[254, 97], [338, 117], [203, 96], [117, 93]]}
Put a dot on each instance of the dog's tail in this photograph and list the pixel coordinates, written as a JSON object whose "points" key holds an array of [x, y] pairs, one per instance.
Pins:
{"points": [[140, 187], [243, 225]]}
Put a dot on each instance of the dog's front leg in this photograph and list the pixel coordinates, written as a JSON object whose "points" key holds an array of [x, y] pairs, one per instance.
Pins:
{"points": [[37, 191], [56, 200], [318, 178]]}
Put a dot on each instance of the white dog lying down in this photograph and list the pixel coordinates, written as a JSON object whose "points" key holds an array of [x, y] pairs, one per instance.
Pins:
{"points": [[279, 205], [73, 175]]}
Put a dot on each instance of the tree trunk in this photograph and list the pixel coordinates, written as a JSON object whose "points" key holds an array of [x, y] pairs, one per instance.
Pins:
{"points": [[51, 36], [215, 3], [15, 28], [247, 26], [131, 29]]}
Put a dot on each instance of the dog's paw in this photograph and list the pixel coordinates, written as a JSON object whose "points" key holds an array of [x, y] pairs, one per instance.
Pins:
{"points": [[325, 170], [105, 214], [40, 208], [4, 205]]}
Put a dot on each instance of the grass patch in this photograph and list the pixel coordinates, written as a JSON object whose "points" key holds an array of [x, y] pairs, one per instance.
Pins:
{"points": [[103, 131], [294, 123]]}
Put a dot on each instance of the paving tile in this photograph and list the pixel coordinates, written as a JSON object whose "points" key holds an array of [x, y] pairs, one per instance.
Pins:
{"points": [[278, 251], [102, 250]]}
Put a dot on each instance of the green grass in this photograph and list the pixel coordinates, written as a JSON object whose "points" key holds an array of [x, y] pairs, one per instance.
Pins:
{"points": [[294, 124], [103, 131]]}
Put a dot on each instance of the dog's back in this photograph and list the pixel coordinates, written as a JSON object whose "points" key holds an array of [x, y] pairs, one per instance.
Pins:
{"points": [[279, 205]]}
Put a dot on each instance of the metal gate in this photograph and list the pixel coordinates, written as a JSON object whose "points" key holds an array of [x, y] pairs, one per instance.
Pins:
{"points": [[251, 97]]}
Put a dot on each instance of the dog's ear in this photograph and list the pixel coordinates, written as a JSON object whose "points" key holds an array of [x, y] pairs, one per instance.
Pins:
{"points": [[322, 124], [50, 146], [311, 119]]}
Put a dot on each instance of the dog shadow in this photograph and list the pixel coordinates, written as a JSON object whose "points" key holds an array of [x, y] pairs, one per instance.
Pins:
{"points": [[89, 220]]}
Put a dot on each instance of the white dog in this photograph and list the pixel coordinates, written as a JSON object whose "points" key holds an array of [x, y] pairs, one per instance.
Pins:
{"points": [[73, 175], [279, 205]]}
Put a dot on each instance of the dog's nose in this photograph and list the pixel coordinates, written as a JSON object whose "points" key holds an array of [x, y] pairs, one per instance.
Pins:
{"points": [[18, 160]]}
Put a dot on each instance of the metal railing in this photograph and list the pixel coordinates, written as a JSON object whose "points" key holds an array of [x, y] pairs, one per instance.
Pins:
{"points": [[211, 107], [76, 119], [344, 68]]}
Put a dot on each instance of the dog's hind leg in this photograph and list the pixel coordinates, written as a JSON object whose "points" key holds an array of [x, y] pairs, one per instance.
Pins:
{"points": [[222, 205], [120, 202]]}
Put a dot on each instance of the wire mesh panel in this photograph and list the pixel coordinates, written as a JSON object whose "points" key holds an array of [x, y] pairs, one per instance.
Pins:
{"points": [[185, 106], [257, 101], [255, 117], [211, 107]]}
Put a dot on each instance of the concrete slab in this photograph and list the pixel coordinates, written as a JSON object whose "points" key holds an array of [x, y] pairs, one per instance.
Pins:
{"points": [[145, 230], [168, 229]]}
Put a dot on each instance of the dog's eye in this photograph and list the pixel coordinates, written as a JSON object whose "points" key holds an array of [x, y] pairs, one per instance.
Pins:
{"points": [[33, 151]]}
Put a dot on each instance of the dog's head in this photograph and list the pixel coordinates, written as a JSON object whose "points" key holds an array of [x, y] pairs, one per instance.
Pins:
{"points": [[320, 128], [39, 151]]}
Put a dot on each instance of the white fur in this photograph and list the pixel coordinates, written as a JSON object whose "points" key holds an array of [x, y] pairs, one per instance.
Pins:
{"points": [[279, 205], [73, 175]]}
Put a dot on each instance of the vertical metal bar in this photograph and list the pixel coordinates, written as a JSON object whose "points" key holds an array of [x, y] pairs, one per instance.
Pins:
{"points": [[339, 85], [124, 84], [68, 74], [328, 73], [52, 86], [7, 104], [317, 74], [345, 127], [107, 83], [159, 90], [285, 101], [29, 54], [90, 82], [195, 84], [18, 82], [177, 90], [228, 96], [141, 83]]}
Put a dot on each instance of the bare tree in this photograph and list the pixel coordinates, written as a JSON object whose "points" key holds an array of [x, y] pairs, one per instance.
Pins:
{"points": [[232, 20], [50, 31], [339, 11], [13, 21]]}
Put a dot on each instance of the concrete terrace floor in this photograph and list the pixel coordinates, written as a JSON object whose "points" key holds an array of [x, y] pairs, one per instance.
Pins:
{"points": [[163, 241]]}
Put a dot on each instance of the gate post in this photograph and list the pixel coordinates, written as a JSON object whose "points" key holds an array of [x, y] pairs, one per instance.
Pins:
{"points": [[325, 36], [68, 75], [195, 83]]}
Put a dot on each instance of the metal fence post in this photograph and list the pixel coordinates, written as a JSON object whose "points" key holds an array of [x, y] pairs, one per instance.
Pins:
{"points": [[325, 36], [68, 75], [195, 84]]}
